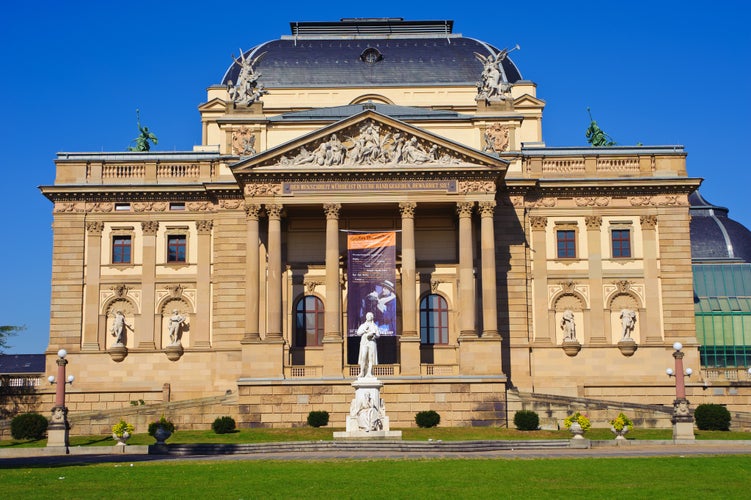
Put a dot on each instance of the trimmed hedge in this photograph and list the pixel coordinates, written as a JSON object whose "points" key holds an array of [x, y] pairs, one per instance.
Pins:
{"points": [[318, 418], [224, 425], [712, 417], [28, 426], [526, 420], [426, 419]]}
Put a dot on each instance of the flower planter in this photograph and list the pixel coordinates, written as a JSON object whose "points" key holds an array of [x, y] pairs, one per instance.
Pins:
{"points": [[620, 433], [576, 430], [121, 440], [161, 435]]}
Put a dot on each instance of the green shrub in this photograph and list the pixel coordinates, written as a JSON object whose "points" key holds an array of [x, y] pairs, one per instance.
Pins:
{"points": [[318, 418], [526, 420], [162, 422], [28, 426], [427, 419], [224, 425], [712, 417]]}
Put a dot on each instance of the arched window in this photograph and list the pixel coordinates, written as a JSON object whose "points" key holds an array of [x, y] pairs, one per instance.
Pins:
{"points": [[434, 320], [309, 322]]}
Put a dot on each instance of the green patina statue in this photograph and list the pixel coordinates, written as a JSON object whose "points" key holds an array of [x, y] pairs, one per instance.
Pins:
{"points": [[595, 136], [142, 141]]}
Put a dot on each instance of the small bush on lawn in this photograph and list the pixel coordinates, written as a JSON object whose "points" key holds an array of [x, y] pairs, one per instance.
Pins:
{"points": [[224, 425], [28, 426], [526, 420], [162, 422], [426, 419], [712, 417], [318, 418]]}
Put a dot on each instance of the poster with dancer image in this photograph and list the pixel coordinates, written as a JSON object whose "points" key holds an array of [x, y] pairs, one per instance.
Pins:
{"points": [[370, 281]]}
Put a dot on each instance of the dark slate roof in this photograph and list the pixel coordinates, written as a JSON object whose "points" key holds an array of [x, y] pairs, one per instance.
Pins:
{"points": [[21, 363], [332, 58], [714, 236], [336, 113]]}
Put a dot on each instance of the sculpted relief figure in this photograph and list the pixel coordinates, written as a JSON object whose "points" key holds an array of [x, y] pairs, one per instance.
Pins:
{"points": [[367, 412], [628, 320], [368, 356], [568, 325], [370, 146], [493, 84]]}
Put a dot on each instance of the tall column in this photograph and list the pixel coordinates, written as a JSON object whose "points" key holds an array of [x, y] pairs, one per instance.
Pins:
{"points": [[144, 331], [90, 341], [201, 337], [409, 341], [333, 318], [651, 330], [596, 327], [333, 342], [252, 294], [274, 332], [541, 332], [487, 244], [466, 274]]}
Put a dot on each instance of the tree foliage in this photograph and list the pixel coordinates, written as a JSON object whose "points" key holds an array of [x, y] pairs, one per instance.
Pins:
{"points": [[8, 331]]}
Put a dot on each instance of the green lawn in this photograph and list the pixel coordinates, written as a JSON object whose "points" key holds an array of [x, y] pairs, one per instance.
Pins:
{"points": [[724, 477], [417, 434]]}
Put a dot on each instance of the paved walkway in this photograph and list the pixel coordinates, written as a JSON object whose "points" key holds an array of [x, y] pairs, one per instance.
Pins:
{"points": [[630, 449]]}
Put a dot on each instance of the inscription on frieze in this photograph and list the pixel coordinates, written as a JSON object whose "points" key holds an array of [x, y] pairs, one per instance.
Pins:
{"points": [[291, 188]]}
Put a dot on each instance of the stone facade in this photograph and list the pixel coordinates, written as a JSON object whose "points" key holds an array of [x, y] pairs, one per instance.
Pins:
{"points": [[235, 233]]}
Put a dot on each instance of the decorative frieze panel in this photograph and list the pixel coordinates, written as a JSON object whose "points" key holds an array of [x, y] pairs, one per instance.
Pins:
{"points": [[476, 187], [567, 288], [667, 200], [119, 293], [592, 201], [150, 206], [623, 287], [265, 189]]}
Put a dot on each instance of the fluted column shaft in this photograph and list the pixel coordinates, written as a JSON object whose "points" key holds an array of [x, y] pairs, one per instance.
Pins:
{"points": [[332, 318], [466, 275], [489, 302], [274, 332]]}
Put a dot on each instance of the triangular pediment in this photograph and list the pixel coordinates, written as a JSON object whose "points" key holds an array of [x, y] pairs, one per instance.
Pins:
{"points": [[528, 101], [368, 141], [215, 104]]}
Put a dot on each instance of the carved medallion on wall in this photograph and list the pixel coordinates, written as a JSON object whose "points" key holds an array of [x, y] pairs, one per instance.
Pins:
{"points": [[567, 288], [496, 138], [243, 142]]}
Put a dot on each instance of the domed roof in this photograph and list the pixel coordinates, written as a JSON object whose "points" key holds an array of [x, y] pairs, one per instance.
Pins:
{"points": [[714, 236], [368, 53]]}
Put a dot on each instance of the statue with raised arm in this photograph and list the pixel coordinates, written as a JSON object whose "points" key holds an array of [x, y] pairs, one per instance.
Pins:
{"points": [[568, 325], [118, 328], [368, 356], [247, 89], [596, 137], [142, 141], [493, 84]]}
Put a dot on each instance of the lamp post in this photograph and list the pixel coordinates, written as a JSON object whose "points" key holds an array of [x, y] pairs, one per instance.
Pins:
{"points": [[683, 421], [57, 432]]}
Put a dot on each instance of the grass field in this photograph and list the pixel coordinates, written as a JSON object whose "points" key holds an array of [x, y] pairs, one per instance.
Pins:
{"points": [[326, 434], [724, 477]]}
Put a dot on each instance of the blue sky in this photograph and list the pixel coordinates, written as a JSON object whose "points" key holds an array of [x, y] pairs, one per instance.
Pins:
{"points": [[74, 72]]}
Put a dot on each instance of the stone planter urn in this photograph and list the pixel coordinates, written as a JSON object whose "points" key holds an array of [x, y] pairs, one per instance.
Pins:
{"points": [[121, 440], [161, 435], [576, 430], [620, 434]]}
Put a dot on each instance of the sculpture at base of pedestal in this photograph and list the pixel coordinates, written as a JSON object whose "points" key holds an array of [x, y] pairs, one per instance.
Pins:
{"points": [[367, 413]]}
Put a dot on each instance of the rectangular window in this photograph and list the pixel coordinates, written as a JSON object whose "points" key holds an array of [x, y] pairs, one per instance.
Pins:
{"points": [[566, 240], [621, 239], [121, 249], [176, 248]]}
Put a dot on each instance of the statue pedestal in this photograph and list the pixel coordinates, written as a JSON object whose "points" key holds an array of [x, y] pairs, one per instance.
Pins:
{"points": [[367, 414]]}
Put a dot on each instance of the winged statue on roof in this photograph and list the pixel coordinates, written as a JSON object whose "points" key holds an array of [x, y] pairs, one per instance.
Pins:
{"points": [[247, 89], [493, 84]]}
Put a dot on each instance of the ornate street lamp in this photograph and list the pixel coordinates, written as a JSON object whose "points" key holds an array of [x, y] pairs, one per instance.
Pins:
{"points": [[683, 421], [57, 432]]}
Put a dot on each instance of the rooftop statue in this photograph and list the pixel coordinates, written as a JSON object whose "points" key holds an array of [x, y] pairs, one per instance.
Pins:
{"points": [[493, 84], [247, 89], [142, 141], [595, 136]]}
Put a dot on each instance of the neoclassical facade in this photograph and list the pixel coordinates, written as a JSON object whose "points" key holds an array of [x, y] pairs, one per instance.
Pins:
{"points": [[519, 267]]}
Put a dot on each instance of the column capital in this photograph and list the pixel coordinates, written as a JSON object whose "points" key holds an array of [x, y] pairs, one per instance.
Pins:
{"points": [[538, 223], [252, 210], [407, 209], [274, 211], [486, 208], [204, 226], [95, 228], [332, 210], [648, 221], [150, 227], [464, 208], [593, 222]]}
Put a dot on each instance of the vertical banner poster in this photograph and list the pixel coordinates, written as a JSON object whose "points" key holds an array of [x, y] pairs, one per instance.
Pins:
{"points": [[371, 275]]}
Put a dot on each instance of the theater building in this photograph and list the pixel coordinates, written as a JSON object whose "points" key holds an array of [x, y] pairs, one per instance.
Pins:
{"points": [[517, 268]]}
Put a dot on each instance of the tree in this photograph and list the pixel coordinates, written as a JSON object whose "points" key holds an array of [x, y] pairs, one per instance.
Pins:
{"points": [[8, 331]]}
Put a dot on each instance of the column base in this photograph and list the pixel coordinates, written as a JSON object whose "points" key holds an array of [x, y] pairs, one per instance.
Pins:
{"points": [[409, 354]]}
